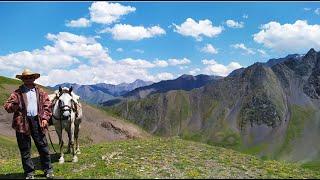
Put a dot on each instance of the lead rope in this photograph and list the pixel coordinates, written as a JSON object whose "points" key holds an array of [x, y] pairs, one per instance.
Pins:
{"points": [[50, 137], [51, 141]]}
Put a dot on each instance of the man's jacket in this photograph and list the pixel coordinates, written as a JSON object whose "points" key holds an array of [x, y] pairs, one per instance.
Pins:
{"points": [[20, 122]]}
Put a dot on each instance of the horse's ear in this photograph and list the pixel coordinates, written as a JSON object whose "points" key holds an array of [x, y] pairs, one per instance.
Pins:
{"points": [[70, 90], [60, 89]]}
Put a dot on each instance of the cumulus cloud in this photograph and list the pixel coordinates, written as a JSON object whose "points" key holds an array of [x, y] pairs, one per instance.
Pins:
{"points": [[214, 68], [243, 47], [82, 22], [66, 50], [317, 11], [137, 63], [234, 24], [298, 37], [245, 16], [209, 49], [174, 62], [161, 63], [79, 59], [198, 29], [307, 9], [108, 13], [135, 33]]}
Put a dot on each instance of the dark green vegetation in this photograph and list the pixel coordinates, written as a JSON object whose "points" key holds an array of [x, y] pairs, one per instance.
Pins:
{"points": [[162, 158]]}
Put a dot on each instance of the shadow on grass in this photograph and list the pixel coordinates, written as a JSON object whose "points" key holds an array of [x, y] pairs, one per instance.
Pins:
{"points": [[37, 164]]}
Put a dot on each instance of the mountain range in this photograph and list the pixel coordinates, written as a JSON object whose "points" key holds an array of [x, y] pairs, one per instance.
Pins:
{"points": [[269, 109], [101, 92]]}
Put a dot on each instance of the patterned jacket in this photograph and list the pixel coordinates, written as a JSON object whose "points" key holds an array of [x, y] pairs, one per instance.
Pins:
{"points": [[20, 122]]}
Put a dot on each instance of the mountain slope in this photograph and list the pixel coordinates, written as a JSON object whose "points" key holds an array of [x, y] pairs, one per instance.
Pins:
{"points": [[184, 82], [162, 158], [97, 125], [269, 111]]}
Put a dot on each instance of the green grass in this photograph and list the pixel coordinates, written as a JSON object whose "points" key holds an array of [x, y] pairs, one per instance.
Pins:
{"points": [[296, 124], [163, 158], [3, 94], [313, 165], [5, 80]]}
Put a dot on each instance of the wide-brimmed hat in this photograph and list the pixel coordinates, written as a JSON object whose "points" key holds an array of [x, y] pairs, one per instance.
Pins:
{"points": [[28, 72]]}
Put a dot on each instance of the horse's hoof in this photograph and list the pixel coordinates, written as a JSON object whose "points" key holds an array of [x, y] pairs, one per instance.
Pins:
{"points": [[61, 161], [75, 159]]}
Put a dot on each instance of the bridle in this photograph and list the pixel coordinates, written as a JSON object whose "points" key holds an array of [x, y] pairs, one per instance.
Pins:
{"points": [[62, 107]]}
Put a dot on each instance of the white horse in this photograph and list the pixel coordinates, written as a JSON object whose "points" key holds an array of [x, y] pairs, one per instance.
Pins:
{"points": [[67, 114]]}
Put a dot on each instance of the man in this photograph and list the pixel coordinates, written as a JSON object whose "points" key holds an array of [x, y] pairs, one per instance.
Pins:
{"points": [[32, 110]]}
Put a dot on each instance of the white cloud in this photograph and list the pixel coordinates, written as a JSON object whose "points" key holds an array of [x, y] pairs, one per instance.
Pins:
{"points": [[82, 22], [67, 49], [163, 76], [139, 51], [214, 68], [137, 63], [60, 63], [174, 62], [161, 63], [245, 16], [307, 9], [77, 45], [293, 38], [198, 29], [234, 24], [128, 32], [262, 52], [183, 67], [108, 13], [209, 49], [243, 47], [194, 71], [317, 11], [119, 49]]}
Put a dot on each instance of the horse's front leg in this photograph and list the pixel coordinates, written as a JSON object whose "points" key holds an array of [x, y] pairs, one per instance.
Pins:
{"points": [[61, 160]]}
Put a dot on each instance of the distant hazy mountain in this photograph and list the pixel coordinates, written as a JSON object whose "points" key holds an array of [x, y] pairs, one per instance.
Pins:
{"points": [[98, 93]]}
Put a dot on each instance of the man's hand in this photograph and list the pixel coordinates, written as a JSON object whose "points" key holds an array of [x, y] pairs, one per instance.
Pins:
{"points": [[44, 123]]}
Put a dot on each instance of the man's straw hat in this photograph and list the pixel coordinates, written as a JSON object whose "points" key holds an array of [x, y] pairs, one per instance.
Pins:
{"points": [[28, 72]]}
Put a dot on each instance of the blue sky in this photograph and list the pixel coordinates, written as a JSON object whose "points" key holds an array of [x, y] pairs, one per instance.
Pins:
{"points": [[123, 41]]}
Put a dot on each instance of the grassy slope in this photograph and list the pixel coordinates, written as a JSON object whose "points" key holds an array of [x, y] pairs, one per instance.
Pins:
{"points": [[4, 95], [167, 150], [163, 158]]}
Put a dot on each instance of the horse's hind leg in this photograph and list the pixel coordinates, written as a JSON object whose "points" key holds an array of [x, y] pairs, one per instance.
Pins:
{"points": [[76, 135]]}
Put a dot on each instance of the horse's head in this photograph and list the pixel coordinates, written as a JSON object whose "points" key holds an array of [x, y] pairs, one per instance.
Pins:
{"points": [[65, 102]]}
